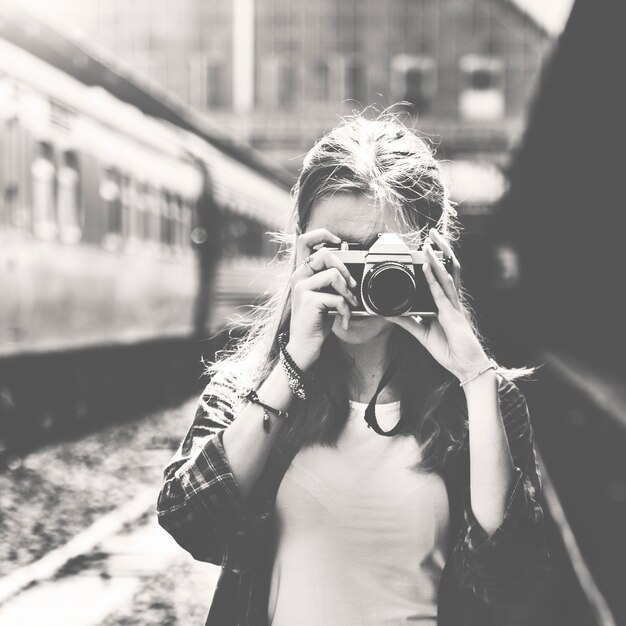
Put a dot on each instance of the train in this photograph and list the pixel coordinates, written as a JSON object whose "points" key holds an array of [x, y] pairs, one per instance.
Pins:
{"points": [[119, 232]]}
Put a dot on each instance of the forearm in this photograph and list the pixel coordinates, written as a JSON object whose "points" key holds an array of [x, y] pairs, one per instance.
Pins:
{"points": [[491, 464], [246, 443]]}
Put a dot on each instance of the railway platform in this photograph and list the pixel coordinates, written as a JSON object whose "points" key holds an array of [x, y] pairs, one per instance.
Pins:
{"points": [[81, 545], [103, 585]]}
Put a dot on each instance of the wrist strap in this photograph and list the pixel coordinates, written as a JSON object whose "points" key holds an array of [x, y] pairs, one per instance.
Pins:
{"points": [[491, 365]]}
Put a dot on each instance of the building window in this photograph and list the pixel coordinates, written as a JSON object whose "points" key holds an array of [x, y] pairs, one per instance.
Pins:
{"points": [[482, 96], [414, 80], [355, 77], [278, 83], [43, 173], [216, 87], [347, 79], [320, 83]]}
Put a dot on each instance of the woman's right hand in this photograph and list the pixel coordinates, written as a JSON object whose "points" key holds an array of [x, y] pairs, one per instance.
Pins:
{"points": [[310, 320]]}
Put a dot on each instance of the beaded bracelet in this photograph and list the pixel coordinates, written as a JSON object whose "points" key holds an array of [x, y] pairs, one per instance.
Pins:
{"points": [[295, 375], [492, 365], [253, 396]]}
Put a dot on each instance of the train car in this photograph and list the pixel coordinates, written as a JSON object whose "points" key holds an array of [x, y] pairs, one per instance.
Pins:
{"points": [[119, 232], [97, 212]]}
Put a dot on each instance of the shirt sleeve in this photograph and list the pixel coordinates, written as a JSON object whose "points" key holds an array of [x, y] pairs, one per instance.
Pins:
{"points": [[504, 566], [200, 503]]}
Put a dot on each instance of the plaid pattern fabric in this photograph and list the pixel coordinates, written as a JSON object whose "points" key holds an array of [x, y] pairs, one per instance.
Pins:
{"points": [[201, 506]]}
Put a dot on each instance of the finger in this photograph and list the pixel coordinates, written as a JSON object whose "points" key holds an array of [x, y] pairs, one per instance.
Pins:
{"points": [[446, 248], [412, 324], [331, 302], [444, 279], [307, 241], [441, 299], [330, 277], [320, 260]]}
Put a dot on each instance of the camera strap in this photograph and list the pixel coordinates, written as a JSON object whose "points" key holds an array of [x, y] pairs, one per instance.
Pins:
{"points": [[370, 411]]}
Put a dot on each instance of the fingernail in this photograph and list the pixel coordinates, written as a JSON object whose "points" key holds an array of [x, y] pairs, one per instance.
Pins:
{"points": [[352, 282]]}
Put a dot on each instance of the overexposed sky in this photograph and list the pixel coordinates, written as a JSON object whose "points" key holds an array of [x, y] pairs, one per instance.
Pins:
{"points": [[552, 14]]}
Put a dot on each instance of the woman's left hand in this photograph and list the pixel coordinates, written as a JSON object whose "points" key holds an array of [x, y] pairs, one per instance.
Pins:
{"points": [[449, 337]]}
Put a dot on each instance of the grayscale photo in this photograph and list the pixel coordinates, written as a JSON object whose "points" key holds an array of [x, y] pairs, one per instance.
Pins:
{"points": [[312, 313]]}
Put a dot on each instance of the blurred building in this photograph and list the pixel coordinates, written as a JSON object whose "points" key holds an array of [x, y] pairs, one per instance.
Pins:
{"points": [[279, 72]]}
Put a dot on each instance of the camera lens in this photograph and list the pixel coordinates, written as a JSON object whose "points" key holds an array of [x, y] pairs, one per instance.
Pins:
{"points": [[389, 289]]}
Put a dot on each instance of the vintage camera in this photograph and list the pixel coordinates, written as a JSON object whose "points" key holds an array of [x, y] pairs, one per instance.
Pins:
{"points": [[389, 277]]}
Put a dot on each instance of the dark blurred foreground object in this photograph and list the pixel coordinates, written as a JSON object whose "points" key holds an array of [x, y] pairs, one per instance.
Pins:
{"points": [[565, 205], [127, 236], [563, 216]]}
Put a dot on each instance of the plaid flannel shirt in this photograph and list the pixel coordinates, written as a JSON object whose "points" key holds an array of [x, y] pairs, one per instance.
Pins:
{"points": [[201, 506]]}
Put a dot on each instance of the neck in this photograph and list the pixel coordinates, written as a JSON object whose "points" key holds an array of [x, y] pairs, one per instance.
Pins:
{"points": [[369, 362]]}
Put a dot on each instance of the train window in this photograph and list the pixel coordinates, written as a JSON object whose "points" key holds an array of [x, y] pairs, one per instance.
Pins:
{"points": [[242, 237], [43, 182], [111, 195], [186, 220], [180, 225], [68, 199], [165, 218], [126, 205], [482, 97], [9, 202], [153, 214], [414, 80], [14, 212], [142, 210], [175, 204], [136, 211]]}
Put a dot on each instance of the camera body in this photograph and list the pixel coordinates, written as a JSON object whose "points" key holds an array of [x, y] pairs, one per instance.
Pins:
{"points": [[389, 277]]}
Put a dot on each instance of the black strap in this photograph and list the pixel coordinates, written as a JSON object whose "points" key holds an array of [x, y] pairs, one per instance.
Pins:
{"points": [[370, 411]]}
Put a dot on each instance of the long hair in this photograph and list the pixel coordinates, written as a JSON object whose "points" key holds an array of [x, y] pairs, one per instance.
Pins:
{"points": [[386, 161]]}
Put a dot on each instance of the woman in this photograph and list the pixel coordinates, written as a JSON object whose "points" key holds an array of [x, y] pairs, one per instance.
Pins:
{"points": [[316, 518]]}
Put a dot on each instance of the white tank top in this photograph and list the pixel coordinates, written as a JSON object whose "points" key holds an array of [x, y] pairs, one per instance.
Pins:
{"points": [[361, 537]]}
